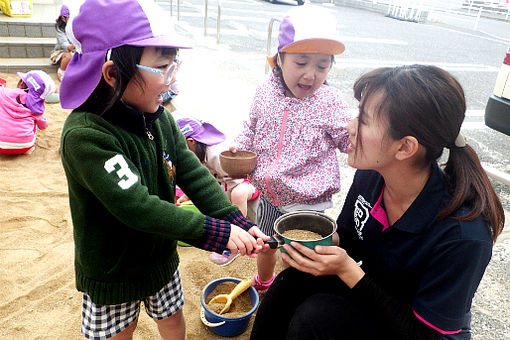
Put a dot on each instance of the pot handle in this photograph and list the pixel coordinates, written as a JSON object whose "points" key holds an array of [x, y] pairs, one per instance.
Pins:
{"points": [[275, 242], [207, 323]]}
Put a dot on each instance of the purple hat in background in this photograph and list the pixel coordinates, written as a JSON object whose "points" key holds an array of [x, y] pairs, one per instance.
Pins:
{"points": [[105, 24], [200, 131], [64, 11], [40, 85]]}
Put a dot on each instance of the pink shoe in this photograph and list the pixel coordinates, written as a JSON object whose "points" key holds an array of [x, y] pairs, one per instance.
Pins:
{"points": [[226, 258], [262, 285]]}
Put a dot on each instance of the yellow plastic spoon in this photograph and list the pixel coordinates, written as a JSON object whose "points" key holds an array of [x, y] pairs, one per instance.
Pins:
{"points": [[228, 298]]}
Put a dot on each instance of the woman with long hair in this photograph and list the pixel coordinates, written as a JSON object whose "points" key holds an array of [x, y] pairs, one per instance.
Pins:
{"points": [[414, 238]]}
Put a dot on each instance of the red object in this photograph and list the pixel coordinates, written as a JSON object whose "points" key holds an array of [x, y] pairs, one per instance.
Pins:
{"points": [[507, 59], [3, 82], [14, 151]]}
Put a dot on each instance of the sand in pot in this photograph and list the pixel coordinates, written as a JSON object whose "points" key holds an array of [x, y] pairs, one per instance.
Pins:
{"points": [[301, 235]]}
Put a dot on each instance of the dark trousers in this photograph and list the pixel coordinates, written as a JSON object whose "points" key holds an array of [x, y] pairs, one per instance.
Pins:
{"points": [[302, 306]]}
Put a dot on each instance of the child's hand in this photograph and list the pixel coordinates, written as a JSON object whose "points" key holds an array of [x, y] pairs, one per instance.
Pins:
{"points": [[240, 240], [232, 149], [261, 237]]}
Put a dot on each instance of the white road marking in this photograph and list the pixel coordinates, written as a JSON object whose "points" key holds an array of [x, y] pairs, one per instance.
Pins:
{"points": [[474, 126], [475, 113]]}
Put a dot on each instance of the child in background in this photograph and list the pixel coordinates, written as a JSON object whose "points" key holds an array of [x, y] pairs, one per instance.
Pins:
{"points": [[295, 125], [123, 156], [21, 112], [207, 143], [63, 51]]}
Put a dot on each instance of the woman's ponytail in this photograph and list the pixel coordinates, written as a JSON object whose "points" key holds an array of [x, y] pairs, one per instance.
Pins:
{"points": [[470, 186]]}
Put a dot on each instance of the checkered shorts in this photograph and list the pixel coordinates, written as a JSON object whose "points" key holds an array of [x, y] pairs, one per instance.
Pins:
{"points": [[104, 321]]}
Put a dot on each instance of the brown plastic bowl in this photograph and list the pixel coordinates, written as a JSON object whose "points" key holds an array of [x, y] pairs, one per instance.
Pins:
{"points": [[239, 164]]}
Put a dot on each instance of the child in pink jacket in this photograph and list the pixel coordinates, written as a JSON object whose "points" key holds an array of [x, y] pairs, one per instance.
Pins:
{"points": [[296, 125], [21, 112]]}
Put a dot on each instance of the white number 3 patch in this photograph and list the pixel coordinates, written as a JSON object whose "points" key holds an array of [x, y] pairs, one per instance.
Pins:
{"points": [[127, 177]]}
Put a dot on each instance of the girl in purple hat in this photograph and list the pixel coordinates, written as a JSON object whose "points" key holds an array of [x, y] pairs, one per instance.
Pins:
{"points": [[207, 142], [296, 124], [21, 112], [64, 49], [123, 156]]}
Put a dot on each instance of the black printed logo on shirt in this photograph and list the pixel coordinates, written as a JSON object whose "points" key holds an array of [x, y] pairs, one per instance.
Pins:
{"points": [[361, 213]]}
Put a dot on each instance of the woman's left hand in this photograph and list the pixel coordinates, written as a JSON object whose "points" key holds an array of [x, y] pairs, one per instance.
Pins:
{"points": [[323, 260]]}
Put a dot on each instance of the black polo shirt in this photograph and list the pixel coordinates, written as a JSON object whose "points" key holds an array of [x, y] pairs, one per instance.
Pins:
{"points": [[433, 266]]}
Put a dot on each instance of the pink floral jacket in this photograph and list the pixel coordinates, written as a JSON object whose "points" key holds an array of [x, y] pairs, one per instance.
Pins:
{"points": [[295, 140]]}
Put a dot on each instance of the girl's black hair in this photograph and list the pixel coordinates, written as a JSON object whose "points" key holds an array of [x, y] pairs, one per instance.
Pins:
{"points": [[61, 24], [200, 149], [428, 103], [125, 59]]}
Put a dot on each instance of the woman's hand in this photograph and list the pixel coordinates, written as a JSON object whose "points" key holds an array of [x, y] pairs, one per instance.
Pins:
{"points": [[241, 241], [323, 260]]}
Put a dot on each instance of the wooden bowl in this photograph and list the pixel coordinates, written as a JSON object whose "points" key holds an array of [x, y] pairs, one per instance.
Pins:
{"points": [[239, 164]]}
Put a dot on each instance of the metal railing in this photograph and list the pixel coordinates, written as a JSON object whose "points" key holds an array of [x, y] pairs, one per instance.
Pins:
{"points": [[497, 175], [469, 11], [492, 7], [206, 16], [405, 9], [218, 20], [178, 9], [269, 34]]}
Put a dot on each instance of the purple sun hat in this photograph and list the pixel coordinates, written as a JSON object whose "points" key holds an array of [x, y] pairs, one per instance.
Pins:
{"points": [[105, 24], [40, 85], [201, 131], [64, 11]]}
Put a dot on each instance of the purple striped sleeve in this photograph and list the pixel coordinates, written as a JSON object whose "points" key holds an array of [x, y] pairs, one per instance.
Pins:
{"points": [[239, 220], [216, 235]]}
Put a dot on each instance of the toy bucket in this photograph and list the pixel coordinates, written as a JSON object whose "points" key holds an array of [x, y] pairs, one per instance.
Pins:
{"points": [[219, 324], [16, 8], [305, 220]]}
